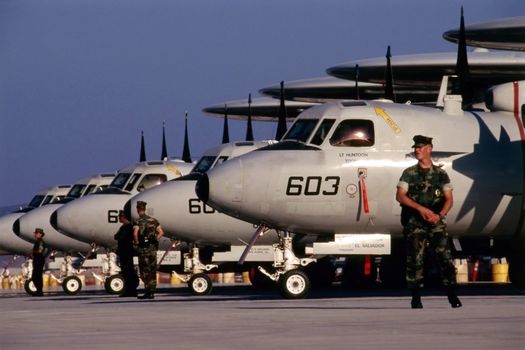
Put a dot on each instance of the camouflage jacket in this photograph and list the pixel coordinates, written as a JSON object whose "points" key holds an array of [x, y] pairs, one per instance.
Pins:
{"points": [[424, 186], [147, 230], [39, 248]]}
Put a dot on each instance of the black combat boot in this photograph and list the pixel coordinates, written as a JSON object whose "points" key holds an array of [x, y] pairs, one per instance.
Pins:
{"points": [[416, 299], [453, 298]]}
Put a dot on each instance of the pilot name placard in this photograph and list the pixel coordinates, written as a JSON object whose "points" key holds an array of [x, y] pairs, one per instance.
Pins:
{"points": [[356, 244]]}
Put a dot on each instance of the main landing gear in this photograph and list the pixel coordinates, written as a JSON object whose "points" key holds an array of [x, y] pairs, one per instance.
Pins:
{"points": [[292, 281]]}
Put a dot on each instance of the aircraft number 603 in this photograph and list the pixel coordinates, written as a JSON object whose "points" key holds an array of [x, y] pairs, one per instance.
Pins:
{"points": [[312, 185]]}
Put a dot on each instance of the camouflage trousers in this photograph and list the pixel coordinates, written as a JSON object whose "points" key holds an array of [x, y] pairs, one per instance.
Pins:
{"points": [[419, 239], [148, 267]]}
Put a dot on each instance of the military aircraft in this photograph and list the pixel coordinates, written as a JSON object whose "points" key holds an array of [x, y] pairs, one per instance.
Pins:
{"points": [[24, 227], [334, 174], [9, 241], [95, 218], [184, 217]]}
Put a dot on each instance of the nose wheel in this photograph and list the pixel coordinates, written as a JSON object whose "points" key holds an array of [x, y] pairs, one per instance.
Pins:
{"points": [[29, 287], [200, 284], [114, 284], [72, 285], [294, 284]]}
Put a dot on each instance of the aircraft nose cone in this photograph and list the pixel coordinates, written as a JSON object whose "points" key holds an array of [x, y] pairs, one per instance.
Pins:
{"points": [[202, 188], [53, 220], [16, 227]]}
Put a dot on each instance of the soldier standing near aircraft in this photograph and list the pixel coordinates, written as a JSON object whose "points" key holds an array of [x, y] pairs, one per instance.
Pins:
{"points": [[146, 234], [39, 259], [125, 251], [425, 194]]}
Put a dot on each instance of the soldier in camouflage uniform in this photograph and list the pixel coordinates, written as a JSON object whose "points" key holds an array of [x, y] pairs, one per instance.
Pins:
{"points": [[146, 234], [425, 194], [39, 259]]}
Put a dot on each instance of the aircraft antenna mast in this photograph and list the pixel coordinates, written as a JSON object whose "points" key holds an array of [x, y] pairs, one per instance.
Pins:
{"points": [[225, 132], [281, 124], [186, 156], [249, 130], [164, 153], [142, 147]]}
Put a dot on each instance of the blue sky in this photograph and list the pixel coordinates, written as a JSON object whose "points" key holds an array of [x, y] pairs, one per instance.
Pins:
{"points": [[80, 79]]}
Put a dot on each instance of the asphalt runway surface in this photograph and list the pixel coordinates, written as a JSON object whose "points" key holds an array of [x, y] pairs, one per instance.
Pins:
{"points": [[239, 317]]}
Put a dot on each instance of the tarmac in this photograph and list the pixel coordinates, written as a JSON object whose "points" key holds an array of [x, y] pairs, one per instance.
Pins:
{"points": [[239, 317]]}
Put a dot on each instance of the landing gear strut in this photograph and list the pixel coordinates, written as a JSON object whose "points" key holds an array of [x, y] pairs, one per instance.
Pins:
{"points": [[199, 282], [293, 282]]}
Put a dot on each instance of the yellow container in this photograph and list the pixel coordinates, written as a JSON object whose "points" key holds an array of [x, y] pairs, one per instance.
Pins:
{"points": [[174, 280], [246, 277], [5, 282], [229, 277], [45, 280], [53, 282], [500, 273]]}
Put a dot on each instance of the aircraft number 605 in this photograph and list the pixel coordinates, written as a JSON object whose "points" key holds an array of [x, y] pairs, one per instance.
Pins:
{"points": [[312, 185]]}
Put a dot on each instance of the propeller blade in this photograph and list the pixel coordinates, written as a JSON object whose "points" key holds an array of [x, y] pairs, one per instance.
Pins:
{"points": [[249, 130], [281, 124], [164, 154], [462, 67], [389, 78], [225, 132], [186, 156], [357, 82], [142, 148]]}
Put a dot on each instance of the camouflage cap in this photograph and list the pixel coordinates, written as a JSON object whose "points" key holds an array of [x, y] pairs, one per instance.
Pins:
{"points": [[420, 140], [39, 230], [141, 204]]}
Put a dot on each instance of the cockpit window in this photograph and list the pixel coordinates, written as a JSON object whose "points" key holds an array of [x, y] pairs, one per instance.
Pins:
{"points": [[221, 160], [120, 180], [56, 199], [353, 133], [36, 201], [76, 191], [322, 131], [301, 130], [134, 178], [204, 164], [151, 180], [47, 200], [90, 189]]}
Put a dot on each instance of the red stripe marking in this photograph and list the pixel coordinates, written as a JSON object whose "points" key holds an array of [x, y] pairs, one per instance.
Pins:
{"points": [[365, 196], [517, 109]]}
